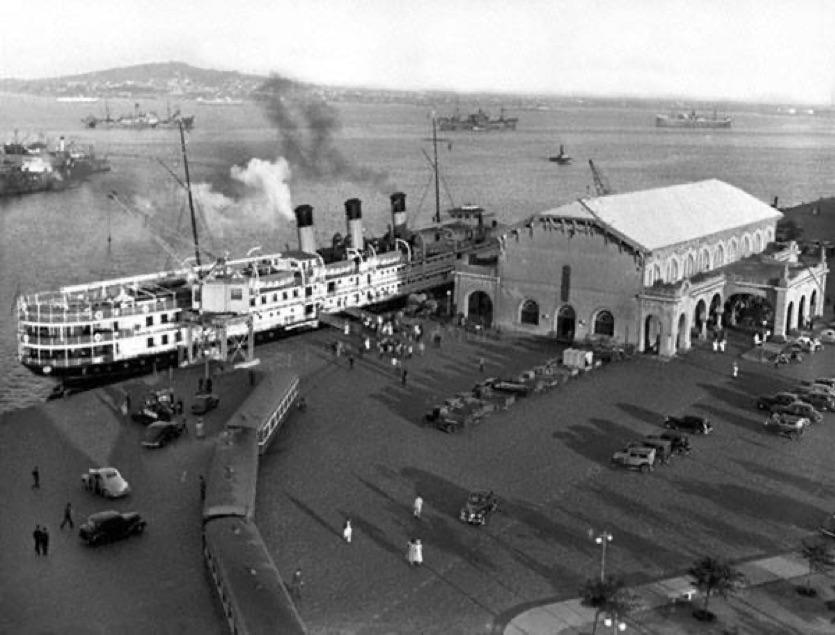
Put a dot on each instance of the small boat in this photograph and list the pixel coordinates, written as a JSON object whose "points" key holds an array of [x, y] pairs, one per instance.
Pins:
{"points": [[561, 158]]}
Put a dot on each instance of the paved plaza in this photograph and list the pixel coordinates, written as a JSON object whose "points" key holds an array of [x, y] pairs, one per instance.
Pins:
{"points": [[360, 451]]}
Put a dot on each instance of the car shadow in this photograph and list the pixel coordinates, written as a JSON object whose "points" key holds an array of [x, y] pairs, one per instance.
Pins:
{"points": [[597, 440]]}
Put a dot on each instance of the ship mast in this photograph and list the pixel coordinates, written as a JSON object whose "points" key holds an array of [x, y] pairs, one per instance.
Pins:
{"points": [[437, 218], [190, 199]]}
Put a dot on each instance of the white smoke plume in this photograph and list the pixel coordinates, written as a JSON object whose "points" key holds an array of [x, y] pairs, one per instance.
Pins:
{"points": [[270, 181]]}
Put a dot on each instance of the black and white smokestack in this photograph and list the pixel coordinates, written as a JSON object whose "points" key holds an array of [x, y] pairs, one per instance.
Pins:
{"points": [[304, 223], [399, 219], [353, 213]]}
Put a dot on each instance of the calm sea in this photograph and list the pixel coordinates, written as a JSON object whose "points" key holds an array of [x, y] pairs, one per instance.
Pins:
{"points": [[52, 239]]}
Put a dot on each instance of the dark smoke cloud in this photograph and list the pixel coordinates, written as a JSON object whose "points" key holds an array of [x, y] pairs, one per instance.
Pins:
{"points": [[306, 126]]}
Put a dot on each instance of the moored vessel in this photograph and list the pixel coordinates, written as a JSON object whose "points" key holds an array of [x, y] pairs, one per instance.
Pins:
{"points": [[692, 120]]}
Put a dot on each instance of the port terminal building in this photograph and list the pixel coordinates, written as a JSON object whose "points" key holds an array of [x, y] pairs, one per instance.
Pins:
{"points": [[657, 269]]}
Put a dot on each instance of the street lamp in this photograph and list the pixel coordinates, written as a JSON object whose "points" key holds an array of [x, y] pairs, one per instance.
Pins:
{"points": [[449, 302], [616, 625], [602, 539]]}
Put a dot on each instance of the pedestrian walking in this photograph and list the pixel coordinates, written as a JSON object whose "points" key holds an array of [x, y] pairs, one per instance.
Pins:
{"points": [[297, 584], [37, 536], [481, 364], [45, 540], [403, 375], [735, 370], [417, 508], [347, 531], [410, 552], [715, 346], [722, 345], [351, 362], [202, 488], [418, 552], [67, 517], [36, 478]]}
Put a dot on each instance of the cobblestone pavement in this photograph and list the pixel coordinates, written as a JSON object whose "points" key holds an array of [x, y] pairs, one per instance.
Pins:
{"points": [[360, 451]]}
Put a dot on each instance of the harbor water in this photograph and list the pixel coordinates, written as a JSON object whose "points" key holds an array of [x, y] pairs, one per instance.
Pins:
{"points": [[82, 234]]}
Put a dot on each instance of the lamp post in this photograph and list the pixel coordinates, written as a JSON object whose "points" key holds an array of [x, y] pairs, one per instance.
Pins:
{"points": [[603, 539], [449, 302]]}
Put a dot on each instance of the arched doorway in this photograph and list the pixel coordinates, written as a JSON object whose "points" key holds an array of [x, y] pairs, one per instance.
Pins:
{"points": [[715, 304], [801, 312], [480, 309], [699, 316], [529, 313], [748, 312], [604, 323], [813, 304], [681, 333], [566, 319], [652, 335], [789, 315]]}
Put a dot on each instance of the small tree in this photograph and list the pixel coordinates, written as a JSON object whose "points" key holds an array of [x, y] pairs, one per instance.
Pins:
{"points": [[714, 576], [609, 595], [819, 556]]}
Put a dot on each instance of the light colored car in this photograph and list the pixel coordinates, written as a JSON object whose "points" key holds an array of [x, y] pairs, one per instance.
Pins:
{"points": [[791, 426], [827, 336], [105, 481], [635, 457], [808, 344]]}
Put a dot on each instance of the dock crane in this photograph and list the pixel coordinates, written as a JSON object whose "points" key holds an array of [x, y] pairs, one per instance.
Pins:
{"points": [[601, 183]]}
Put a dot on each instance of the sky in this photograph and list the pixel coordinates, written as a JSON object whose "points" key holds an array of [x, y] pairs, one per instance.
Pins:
{"points": [[752, 50]]}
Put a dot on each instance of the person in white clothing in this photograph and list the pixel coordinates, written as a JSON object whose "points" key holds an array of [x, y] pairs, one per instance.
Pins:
{"points": [[418, 552], [347, 531], [418, 506]]}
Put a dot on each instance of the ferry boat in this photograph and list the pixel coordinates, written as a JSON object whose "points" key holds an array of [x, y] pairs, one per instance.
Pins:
{"points": [[109, 329]]}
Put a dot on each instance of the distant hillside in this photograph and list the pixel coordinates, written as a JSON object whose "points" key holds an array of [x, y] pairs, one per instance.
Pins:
{"points": [[142, 80]]}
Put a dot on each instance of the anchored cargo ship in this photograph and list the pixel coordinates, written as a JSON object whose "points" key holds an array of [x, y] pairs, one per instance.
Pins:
{"points": [[692, 120], [477, 122]]}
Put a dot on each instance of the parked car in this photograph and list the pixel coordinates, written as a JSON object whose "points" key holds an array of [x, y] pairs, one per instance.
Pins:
{"points": [[784, 398], [478, 508], [800, 408], [110, 525], [827, 336], [818, 399], [157, 407], [790, 426], [663, 448], [160, 433], [203, 403], [691, 423], [105, 481], [635, 457], [807, 344], [829, 382], [447, 420], [679, 442]]}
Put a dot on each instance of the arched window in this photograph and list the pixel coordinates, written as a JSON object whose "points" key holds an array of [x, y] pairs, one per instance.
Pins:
{"points": [[530, 313], [769, 234], [758, 243], [704, 265], [732, 251], [656, 274], [690, 266], [673, 269], [604, 323], [719, 256], [746, 245]]}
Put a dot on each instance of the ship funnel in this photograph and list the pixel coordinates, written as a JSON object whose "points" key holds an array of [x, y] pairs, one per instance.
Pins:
{"points": [[399, 219], [304, 223], [353, 214]]}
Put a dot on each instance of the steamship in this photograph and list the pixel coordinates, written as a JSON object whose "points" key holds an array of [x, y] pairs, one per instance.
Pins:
{"points": [[110, 329]]}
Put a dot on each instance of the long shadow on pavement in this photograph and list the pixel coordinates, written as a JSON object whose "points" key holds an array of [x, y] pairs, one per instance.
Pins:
{"points": [[596, 441]]}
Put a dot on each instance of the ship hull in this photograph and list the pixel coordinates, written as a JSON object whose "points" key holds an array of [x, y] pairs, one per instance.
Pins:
{"points": [[662, 121]]}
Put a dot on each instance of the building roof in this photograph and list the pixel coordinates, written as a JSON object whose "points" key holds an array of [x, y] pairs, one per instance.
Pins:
{"points": [[652, 219]]}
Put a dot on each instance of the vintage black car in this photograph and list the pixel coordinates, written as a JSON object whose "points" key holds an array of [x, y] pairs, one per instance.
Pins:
{"points": [[478, 508], [110, 525], [768, 402], [160, 433], [692, 423], [154, 409], [203, 403]]}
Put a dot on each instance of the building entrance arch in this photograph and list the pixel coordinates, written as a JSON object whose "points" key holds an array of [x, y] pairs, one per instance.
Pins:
{"points": [[801, 312], [715, 310], [699, 316], [652, 335], [566, 321], [790, 316], [813, 304], [681, 333], [480, 309]]}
